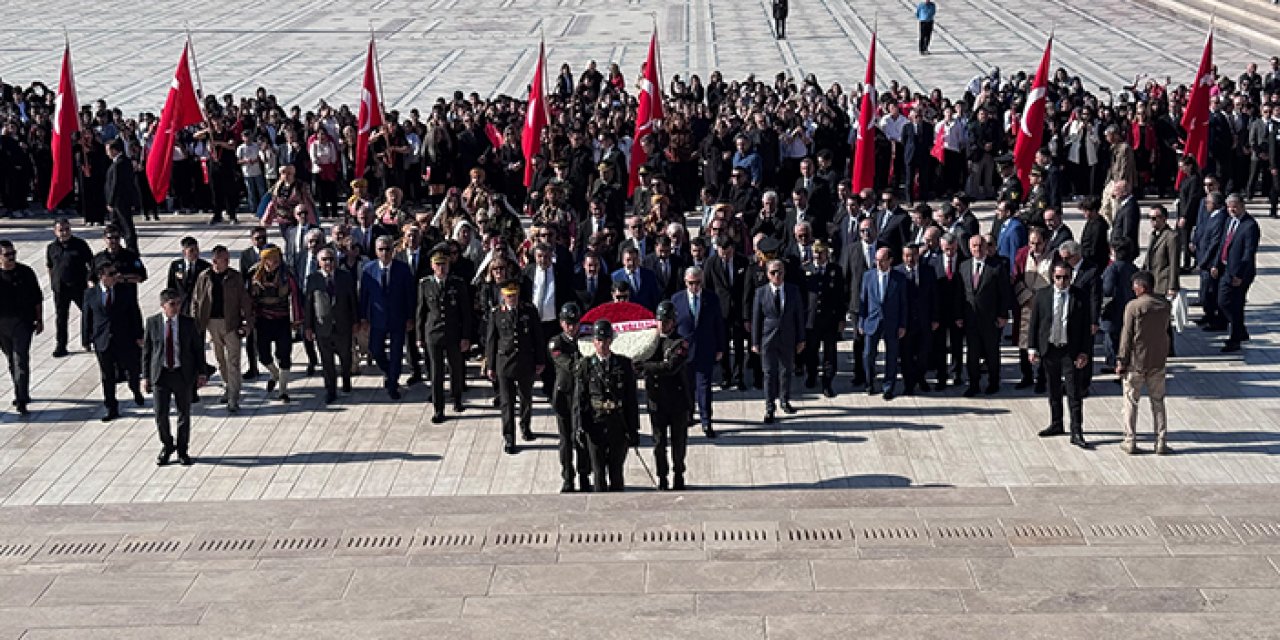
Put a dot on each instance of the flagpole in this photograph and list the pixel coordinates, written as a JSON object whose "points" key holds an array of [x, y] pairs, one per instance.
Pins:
{"points": [[377, 67], [196, 65]]}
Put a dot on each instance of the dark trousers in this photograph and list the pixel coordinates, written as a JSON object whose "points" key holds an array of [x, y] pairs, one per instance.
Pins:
{"points": [[1063, 376], [984, 349], [549, 328], [173, 389], [1231, 301], [780, 28], [926, 35], [128, 232], [391, 360], [859, 366], [1259, 176], [508, 389], [1030, 372], [416, 356], [824, 339], [669, 430], [274, 335], [778, 362], [948, 340], [309, 347], [15, 342], [335, 356], [734, 359], [569, 447], [63, 297], [699, 382], [914, 353], [110, 362], [446, 352], [251, 350], [1184, 238], [1209, 298], [607, 446], [872, 349], [226, 194]]}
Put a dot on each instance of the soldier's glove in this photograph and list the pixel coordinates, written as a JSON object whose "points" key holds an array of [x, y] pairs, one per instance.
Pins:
{"points": [[633, 439]]}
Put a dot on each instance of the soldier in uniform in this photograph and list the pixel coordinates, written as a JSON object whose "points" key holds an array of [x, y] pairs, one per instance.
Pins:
{"points": [[514, 356], [828, 300], [444, 326], [565, 355], [607, 416], [1010, 186], [664, 386], [1037, 199]]}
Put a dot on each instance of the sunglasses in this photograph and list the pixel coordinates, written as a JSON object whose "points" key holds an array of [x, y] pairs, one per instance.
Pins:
{"points": [[326, 259], [774, 272], [864, 231], [384, 248], [112, 237], [1061, 277], [693, 282], [8, 254]]}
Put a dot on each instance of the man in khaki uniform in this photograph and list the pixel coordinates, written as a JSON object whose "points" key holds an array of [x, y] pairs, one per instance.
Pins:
{"points": [[1144, 348], [220, 304]]}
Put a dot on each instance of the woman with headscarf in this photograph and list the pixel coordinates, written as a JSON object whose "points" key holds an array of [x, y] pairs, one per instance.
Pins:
{"points": [[292, 209]]}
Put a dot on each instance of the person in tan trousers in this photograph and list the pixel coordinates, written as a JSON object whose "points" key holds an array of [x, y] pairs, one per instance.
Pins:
{"points": [[1143, 351]]}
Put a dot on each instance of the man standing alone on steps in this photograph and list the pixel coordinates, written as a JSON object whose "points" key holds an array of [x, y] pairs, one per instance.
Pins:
{"points": [[924, 13], [780, 19]]}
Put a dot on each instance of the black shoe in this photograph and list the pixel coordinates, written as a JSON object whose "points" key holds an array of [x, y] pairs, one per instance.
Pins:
{"points": [[759, 384], [566, 487], [787, 408], [394, 392], [1025, 383], [940, 385], [195, 397], [708, 431], [924, 387], [1040, 386], [60, 352], [509, 447], [663, 485], [184, 459], [1231, 347], [1078, 441], [742, 386], [992, 389], [971, 392], [458, 406], [828, 391], [437, 418], [311, 370], [496, 401], [810, 383], [251, 374], [768, 416], [527, 434], [284, 397], [859, 381], [346, 385], [1106, 371], [330, 397], [413, 379], [163, 458], [271, 385], [888, 394], [871, 391], [1050, 431], [111, 415], [678, 483], [139, 400]]}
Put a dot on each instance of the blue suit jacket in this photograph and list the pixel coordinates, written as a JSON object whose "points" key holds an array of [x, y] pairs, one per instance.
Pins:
{"points": [[707, 336], [889, 314], [649, 294], [1013, 236], [392, 307], [922, 303], [1242, 253], [1205, 237]]}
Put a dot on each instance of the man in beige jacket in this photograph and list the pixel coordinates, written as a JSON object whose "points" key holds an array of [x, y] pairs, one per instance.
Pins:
{"points": [[1144, 349], [220, 304]]}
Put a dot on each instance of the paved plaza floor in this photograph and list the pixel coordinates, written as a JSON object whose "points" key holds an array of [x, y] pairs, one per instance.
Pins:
{"points": [[937, 516]]}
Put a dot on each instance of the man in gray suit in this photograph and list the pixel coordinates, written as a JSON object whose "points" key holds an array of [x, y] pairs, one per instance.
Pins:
{"points": [[173, 365], [777, 334], [328, 318], [112, 327]]}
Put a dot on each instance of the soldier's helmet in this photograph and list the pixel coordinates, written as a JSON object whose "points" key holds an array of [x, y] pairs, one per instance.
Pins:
{"points": [[603, 330], [570, 312], [666, 311]]}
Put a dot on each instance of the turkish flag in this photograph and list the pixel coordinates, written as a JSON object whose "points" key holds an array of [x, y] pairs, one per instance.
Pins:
{"points": [[181, 109], [535, 117], [648, 111], [1030, 128], [864, 151], [66, 121], [939, 150], [370, 115], [1195, 119]]}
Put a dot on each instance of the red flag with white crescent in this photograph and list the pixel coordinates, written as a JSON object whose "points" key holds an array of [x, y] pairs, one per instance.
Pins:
{"points": [[864, 152], [181, 110], [66, 121], [535, 117], [648, 111], [1195, 119], [370, 115], [1030, 127]]}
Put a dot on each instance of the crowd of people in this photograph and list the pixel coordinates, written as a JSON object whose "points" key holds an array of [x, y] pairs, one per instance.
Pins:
{"points": [[744, 238]]}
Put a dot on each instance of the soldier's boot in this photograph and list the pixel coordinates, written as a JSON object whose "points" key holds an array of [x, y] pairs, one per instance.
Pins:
{"points": [[678, 483], [526, 432], [662, 484]]}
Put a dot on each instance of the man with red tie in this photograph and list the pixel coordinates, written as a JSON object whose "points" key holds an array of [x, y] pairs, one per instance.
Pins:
{"points": [[948, 338], [173, 366], [1236, 267]]}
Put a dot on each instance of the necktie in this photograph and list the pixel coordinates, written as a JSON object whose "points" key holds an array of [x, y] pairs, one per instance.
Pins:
{"points": [[977, 273], [591, 287], [777, 300], [328, 285], [695, 309], [950, 268], [109, 299], [807, 255], [635, 287], [413, 261], [546, 288], [884, 285], [190, 269], [1059, 303], [169, 361], [871, 256], [728, 270], [1231, 234], [665, 268], [386, 278], [911, 273]]}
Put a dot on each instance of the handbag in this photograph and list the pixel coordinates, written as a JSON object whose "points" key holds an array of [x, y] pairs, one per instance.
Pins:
{"points": [[1179, 315]]}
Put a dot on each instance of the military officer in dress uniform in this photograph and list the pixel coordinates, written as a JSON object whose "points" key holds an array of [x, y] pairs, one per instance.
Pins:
{"points": [[444, 326], [1010, 185], [565, 355], [1037, 199], [514, 356], [607, 416], [828, 301], [664, 386]]}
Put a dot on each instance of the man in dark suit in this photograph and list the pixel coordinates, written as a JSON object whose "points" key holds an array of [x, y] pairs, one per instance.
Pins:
{"points": [[882, 315], [802, 212], [444, 326], [988, 296], [1237, 266], [639, 240], [305, 263], [892, 225], [1060, 337], [643, 282], [948, 338], [184, 271], [248, 258], [69, 262], [1204, 238], [777, 335], [667, 266], [780, 19], [700, 321], [818, 193], [1127, 217], [330, 314], [922, 319], [173, 364], [114, 332], [917, 143], [857, 260], [1086, 277], [123, 199], [725, 273], [824, 323], [416, 255], [591, 284], [1095, 243], [387, 304], [1057, 231], [551, 289]]}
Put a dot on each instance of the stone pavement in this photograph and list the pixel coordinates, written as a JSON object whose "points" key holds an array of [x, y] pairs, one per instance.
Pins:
{"points": [[315, 50], [1081, 562]]}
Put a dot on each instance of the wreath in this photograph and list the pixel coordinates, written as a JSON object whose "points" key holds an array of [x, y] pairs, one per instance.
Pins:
{"points": [[635, 331]]}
